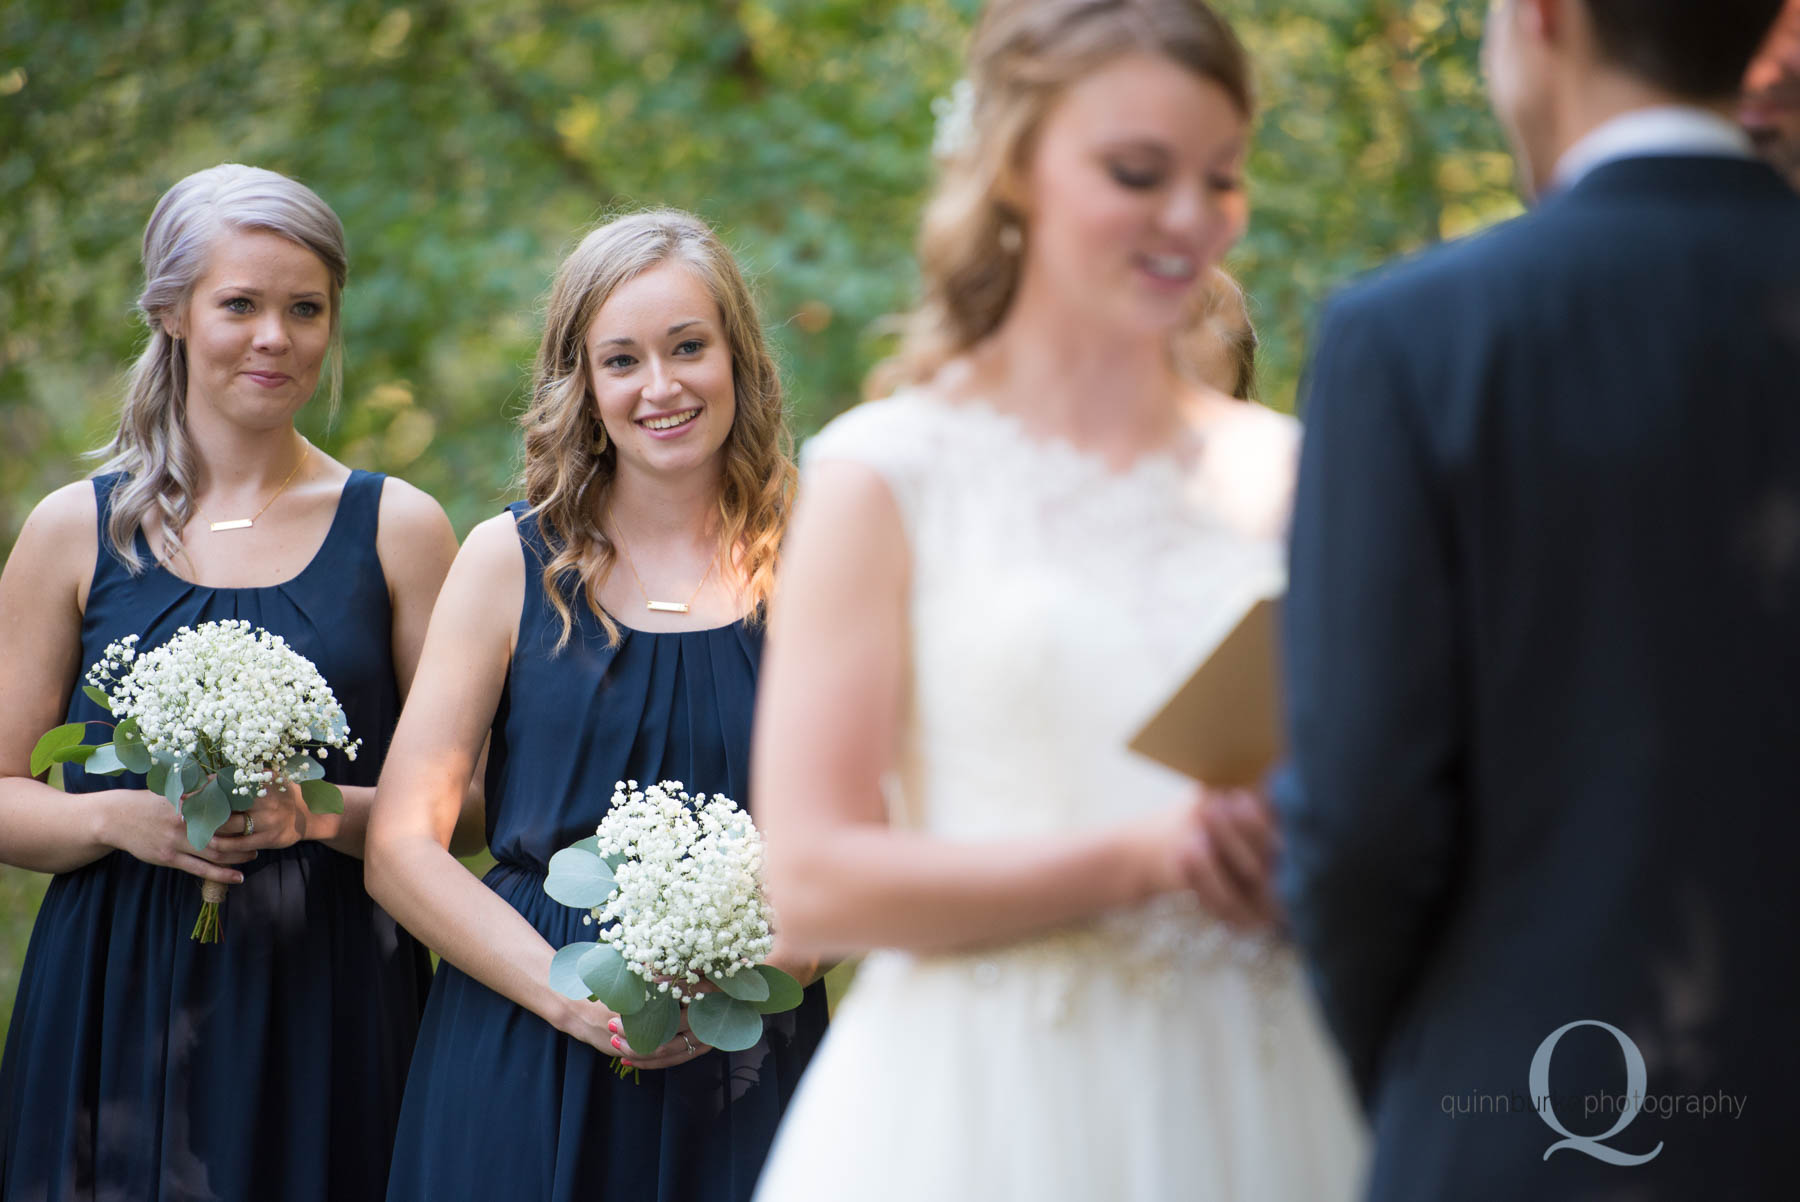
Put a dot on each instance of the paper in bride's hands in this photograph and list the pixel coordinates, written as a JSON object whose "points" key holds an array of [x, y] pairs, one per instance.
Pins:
{"points": [[1223, 725]]}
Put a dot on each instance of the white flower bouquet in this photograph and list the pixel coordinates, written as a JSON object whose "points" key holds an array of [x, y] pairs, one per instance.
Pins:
{"points": [[214, 718], [675, 884]]}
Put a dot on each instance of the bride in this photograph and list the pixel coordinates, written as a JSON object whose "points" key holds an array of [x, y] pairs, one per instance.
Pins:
{"points": [[994, 575]]}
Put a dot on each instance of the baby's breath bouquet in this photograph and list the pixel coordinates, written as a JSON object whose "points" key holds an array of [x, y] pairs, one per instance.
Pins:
{"points": [[675, 883], [214, 718]]}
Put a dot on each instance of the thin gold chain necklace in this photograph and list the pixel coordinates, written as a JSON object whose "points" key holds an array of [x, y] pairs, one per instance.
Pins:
{"points": [[246, 523], [664, 607]]}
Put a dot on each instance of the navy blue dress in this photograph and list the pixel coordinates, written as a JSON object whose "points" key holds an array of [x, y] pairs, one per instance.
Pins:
{"points": [[267, 1066], [502, 1105]]}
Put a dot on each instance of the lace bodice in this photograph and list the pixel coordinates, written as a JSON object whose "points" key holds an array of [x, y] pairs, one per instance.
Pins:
{"points": [[1055, 605]]}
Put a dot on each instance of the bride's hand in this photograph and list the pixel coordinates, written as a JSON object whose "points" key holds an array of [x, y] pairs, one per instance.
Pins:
{"points": [[1222, 847]]}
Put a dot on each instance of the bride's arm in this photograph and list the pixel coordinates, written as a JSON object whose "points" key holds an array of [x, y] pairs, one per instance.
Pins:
{"points": [[828, 716]]}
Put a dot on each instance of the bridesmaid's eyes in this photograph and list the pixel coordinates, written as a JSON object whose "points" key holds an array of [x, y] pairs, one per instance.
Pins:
{"points": [[618, 362], [692, 346], [239, 304], [309, 308]]}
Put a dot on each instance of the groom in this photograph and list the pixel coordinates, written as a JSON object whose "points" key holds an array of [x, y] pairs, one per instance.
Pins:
{"points": [[1543, 812]]}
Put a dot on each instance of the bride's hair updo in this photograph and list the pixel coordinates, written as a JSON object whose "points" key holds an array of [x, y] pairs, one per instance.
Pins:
{"points": [[151, 443], [1024, 53], [569, 469]]}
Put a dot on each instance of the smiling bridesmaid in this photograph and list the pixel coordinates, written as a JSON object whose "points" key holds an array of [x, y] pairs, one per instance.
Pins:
{"points": [[141, 1064], [655, 443]]}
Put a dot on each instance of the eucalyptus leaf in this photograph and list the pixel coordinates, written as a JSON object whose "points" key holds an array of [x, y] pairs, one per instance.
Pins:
{"points": [[157, 779], [104, 762], [53, 741], [785, 993], [80, 753], [174, 786], [98, 697], [604, 972], [563, 976], [191, 773], [725, 1022], [579, 878], [322, 797], [205, 812], [228, 781], [746, 985], [589, 844], [304, 767], [128, 745], [653, 1025]]}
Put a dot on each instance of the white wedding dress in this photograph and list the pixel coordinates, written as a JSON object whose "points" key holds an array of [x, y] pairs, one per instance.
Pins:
{"points": [[1151, 1056]]}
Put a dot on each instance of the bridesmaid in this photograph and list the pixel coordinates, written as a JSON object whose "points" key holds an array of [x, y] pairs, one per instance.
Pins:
{"points": [[655, 442], [141, 1064]]}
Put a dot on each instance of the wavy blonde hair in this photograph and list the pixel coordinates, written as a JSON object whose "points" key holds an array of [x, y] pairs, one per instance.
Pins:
{"points": [[1024, 54], [566, 482], [151, 445]]}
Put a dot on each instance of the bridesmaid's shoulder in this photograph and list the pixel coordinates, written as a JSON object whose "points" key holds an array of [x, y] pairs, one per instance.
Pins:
{"points": [[59, 539], [66, 518], [411, 512], [493, 544]]}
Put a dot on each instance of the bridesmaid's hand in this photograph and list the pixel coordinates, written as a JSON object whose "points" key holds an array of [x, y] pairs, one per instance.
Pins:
{"points": [[145, 826], [684, 1047], [589, 1022], [277, 819]]}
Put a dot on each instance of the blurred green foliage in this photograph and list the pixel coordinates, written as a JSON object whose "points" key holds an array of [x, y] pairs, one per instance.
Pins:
{"points": [[466, 144]]}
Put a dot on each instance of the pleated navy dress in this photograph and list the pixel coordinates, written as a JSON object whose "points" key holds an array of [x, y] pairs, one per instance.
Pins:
{"points": [[502, 1105], [270, 1065]]}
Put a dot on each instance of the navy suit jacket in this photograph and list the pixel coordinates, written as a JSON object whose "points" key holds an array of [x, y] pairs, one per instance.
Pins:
{"points": [[1543, 679]]}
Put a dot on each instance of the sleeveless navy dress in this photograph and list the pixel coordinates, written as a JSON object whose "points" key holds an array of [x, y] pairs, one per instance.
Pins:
{"points": [[267, 1066], [502, 1105]]}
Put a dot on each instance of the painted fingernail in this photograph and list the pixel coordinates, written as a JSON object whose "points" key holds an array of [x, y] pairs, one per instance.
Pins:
{"points": [[612, 1024], [627, 1063], [616, 1043]]}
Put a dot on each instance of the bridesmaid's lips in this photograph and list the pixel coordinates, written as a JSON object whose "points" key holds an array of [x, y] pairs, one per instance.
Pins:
{"points": [[269, 379]]}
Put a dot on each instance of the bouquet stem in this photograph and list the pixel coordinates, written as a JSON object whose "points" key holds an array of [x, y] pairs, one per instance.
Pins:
{"points": [[207, 927]]}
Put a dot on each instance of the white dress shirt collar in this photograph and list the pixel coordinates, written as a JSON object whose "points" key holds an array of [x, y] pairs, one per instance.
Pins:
{"points": [[1664, 130]]}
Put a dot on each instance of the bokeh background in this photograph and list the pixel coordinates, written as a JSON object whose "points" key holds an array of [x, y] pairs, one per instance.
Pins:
{"points": [[467, 143]]}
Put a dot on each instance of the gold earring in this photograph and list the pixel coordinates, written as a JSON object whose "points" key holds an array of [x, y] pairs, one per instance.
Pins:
{"points": [[598, 446]]}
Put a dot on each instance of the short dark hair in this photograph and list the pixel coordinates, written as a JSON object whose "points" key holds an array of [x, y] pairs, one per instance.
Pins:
{"points": [[1697, 49]]}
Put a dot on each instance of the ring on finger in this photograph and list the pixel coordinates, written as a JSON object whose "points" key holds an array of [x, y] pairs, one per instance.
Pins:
{"points": [[692, 1050], [249, 823]]}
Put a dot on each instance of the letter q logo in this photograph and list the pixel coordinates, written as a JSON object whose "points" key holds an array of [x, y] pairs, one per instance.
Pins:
{"points": [[1635, 1077]]}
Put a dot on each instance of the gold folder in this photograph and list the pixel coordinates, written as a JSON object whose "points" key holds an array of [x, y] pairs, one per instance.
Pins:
{"points": [[1223, 726]]}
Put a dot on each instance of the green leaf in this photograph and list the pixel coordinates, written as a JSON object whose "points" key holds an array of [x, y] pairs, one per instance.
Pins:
{"points": [[322, 797], [205, 812], [98, 697], [157, 779], [174, 786], [785, 993], [563, 977], [725, 1022], [303, 768], [652, 1026], [191, 773], [54, 740], [608, 978], [128, 745], [746, 985], [79, 754], [105, 761], [589, 844], [579, 878]]}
